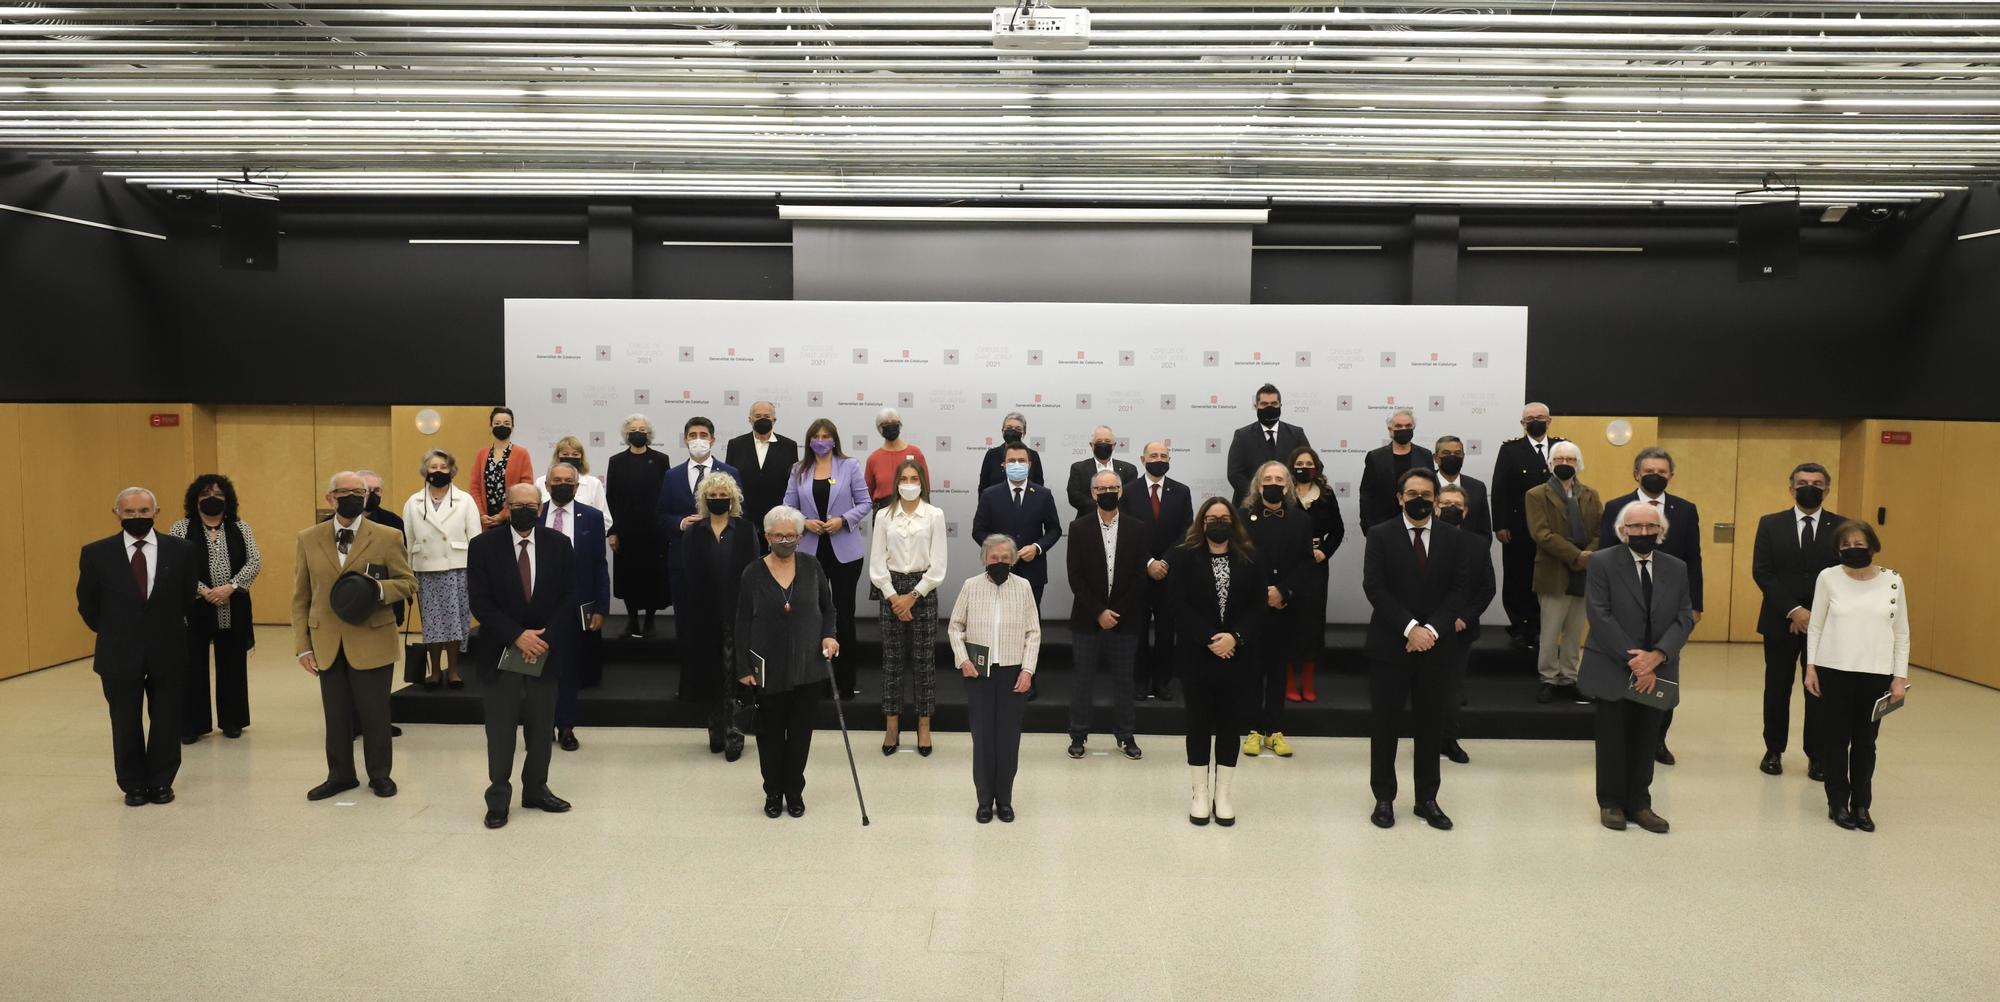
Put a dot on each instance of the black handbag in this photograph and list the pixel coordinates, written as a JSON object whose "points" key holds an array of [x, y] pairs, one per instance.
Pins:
{"points": [[743, 709], [416, 663]]}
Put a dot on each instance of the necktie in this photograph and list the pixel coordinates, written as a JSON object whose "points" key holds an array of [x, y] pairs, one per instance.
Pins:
{"points": [[1017, 497], [1806, 537], [1646, 590], [343, 538], [139, 566], [559, 520], [1156, 502], [1417, 547], [700, 472], [1655, 504], [1271, 440], [527, 572]]}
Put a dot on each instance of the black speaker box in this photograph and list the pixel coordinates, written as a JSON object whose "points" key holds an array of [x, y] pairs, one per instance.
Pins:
{"points": [[1767, 240], [249, 232]]}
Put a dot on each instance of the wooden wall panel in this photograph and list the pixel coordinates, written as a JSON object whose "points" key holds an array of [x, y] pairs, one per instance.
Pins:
{"points": [[1704, 451], [268, 453], [349, 438], [1766, 452], [1955, 616], [461, 432], [13, 523], [1899, 486]]}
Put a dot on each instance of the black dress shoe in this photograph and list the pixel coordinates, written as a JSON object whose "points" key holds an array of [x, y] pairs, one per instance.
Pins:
{"points": [[1545, 694], [924, 750], [1663, 756], [1433, 815], [1005, 812], [1384, 815], [135, 798], [384, 788], [888, 750], [1576, 695], [1863, 821], [795, 806], [1612, 818], [773, 806], [1076, 748], [1166, 690], [331, 788], [1455, 753], [1142, 693], [546, 802], [496, 819], [1842, 817], [732, 749], [716, 740], [1773, 764], [566, 740], [163, 795], [432, 684], [1815, 773], [233, 733], [984, 815], [394, 731], [188, 739], [459, 683], [1130, 748]]}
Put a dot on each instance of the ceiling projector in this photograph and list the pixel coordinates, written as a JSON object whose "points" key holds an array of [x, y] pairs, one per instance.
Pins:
{"points": [[1037, 27]]}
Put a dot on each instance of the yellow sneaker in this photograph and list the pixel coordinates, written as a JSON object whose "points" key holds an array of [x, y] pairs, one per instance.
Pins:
{"points": [[1253, 744], [1278, 745]]}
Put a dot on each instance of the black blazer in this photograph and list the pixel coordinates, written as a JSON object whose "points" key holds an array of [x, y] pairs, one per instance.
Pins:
{"points": [[1284, 547], [1478, 508], [1479, 554], [1191, 580], [1378, 483], [1683, 535], [1248, 450], [992, 469], [1126, 594], [1176, 512], [493, 583], [1035, 521], [1784, 573], [1080, 473], [763, 486], [1517, 469], [137, 634], [1400, 593]]}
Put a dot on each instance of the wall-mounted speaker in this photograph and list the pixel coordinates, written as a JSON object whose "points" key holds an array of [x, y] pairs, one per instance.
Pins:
{"points": [[1767, 240], [249, 232]]}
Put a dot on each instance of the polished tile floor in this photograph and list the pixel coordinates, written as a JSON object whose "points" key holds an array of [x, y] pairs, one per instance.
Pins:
{"points": [[667, 882]]}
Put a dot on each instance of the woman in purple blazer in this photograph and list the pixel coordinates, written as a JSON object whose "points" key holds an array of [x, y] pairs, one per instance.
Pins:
{"points": [[829, 488]]}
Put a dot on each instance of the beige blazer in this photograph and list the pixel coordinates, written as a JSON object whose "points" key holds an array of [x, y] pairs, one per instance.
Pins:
{"points": [[1548, 526], [315, 628]]}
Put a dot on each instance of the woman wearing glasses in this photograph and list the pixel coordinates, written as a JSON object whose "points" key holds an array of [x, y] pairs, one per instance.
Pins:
{"points": [[785, 623]]}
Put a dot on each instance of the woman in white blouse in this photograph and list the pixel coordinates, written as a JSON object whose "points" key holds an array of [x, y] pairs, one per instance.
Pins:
{"points": [[906, 565], [995, 612], [1857, 649], [589, 489], [439, 522]]}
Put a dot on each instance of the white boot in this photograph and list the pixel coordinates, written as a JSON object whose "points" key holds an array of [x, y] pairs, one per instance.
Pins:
{"points": [[1225, 812], [1198, 809]]}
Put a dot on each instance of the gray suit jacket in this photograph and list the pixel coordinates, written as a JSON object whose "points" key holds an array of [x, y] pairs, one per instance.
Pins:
{"points": [[1617, 612]]}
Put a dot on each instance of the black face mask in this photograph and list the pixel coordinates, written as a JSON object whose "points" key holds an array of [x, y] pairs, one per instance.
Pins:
{"points": [[1157, 467], [1856, 557], [1810, 496], [1451, 516], [438, 478], [562, 494], [350, 506], [1303, 475], [1536, 429], [1654, 484], [1417, 508], [1402, 436], [1450, 465], [1272, 493], [1269, 415], [503, 432], [1565, 472], [1642, 545], [1102, 450], [998, 573], [212, 506], [522, 517], [891, 432], [1010, 436], [1217, 532], [137, 528], [1107, 502], [374, 501], [761, 426], [638, 439], [718, 506]]}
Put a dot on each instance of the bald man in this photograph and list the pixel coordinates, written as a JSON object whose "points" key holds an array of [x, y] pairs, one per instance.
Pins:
{"points": [[1102, 444]]}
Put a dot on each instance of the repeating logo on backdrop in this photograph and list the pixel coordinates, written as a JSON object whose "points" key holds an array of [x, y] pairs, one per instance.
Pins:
{"points": [[1166, 401], [989, 401], [1388, 360], [860, 356], [1302, 359], [1344, 402], [642, 397], [951, 356], [906, 399], [558, 396], [1035, 357], [1437, 404], [604, 353], [944, 445], [731, 397], [1082, 401], [686, 353], [777, 354], [1127, 358], [597, 440], [1211, 359], [1479, 360], [814, 398], [1214, 446]]}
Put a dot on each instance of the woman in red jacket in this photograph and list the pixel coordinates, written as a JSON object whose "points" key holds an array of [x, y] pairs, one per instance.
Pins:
{"points": [[498, 467]]}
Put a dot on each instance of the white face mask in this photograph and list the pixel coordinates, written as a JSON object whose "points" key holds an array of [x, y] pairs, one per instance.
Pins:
{"points": [[910, 492], [698, 447]]}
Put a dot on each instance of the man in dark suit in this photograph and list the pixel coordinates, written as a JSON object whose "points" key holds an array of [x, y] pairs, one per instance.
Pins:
{"points": [[1166, 507], [1449, 462], [1792, 547], [521, 579], [1262, 441], [135, 590], [676, 508], [1640, 608], [1107, 576], [1417, 578], [1454, 508], [1026, 511], [1653, 468], [376, 513], [583, 526], [1520, 465], [1013, 428], [766, 459], [1084, 471], [1383, 468]]}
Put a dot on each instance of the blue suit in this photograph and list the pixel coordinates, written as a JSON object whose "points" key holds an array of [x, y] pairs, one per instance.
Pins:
{"points": [[1034, 521], [676, 503], [593, 586]]}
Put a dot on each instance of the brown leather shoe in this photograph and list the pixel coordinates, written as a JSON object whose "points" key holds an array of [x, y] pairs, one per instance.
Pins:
{"points": [[1612, 818], [1651, 822]]}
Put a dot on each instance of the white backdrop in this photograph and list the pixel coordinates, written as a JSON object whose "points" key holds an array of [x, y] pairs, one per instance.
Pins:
{"points": [[1184, 373]]}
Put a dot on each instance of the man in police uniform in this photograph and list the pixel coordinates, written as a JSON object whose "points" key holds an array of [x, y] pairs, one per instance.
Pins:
{"points": [[1518, 466]]}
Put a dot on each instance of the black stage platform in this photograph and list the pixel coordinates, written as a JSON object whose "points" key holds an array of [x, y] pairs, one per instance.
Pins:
{"points": [[641, 676]]}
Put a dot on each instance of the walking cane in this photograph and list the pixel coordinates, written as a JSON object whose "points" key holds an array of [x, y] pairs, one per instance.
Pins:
{"points": [[842, 717]]}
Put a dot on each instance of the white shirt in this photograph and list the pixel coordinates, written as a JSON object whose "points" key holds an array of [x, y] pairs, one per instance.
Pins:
{"points": [[1799, 516], [1860, 626], [1110, 531], [1103, 467], [1409, 532], [1641, 565], [152, 556], [1444, 481], [516, 542], [763, 447], [907, 543], [1542, 449], [568, 520], [695, 472], [355, 527]]}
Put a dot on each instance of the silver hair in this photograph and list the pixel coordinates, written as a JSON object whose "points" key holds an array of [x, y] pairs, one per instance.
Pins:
{"points": [[1116, 481], [1015, 416], [644, 422], [997, 539], [1103, 427], [1625, 519], [365, 474], [333, 482], [1652, 452], [1536, 403], [1399, 412], [450, 462], [1572, 447], [726, 483], [1253, 492], [777, 516], [887, 414], [119, 501]]}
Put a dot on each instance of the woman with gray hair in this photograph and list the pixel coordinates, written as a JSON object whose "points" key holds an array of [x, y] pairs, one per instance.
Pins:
{"points": [[717, 549], [996, 636], [785, 625], [439, 522], [632, 491], [880, 470]]}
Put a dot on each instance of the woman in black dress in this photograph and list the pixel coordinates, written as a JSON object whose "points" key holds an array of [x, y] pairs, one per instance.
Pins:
{"points": [[785, 626], [1218, 601], [1283, 534], [717, 549], [632, 490], [1322, 509]]}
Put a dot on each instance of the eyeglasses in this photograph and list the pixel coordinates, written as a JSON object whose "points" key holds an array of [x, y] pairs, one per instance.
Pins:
{"points": [[357, 492], [783, 539]]}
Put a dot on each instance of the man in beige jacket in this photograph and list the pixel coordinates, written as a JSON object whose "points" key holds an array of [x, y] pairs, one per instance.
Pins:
{"points": [[1563, 516]]}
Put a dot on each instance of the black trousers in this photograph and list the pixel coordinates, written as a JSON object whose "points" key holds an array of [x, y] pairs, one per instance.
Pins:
{"points": [[1517, 586], [1419, 682], [843, 577], [994, 709], [348, 695], [1153, 667], [1218, 700], [592, 665], [1847, 700], [232, 680], [1784, 662], [784, 737], [1271, 659], [568, 681], [1628, 734], [1460, 654], [1097, 652], [510, 700], [144, 761]]}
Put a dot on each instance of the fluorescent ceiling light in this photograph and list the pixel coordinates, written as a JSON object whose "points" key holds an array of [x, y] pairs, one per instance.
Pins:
{"points": [[1316, 247], [556, 243], [1527, 248], [80, 222], [1963, 236], [970, 214]]}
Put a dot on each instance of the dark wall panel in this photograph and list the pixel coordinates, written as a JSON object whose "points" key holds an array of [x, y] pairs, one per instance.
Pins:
{"points": [[1315, 276]]}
